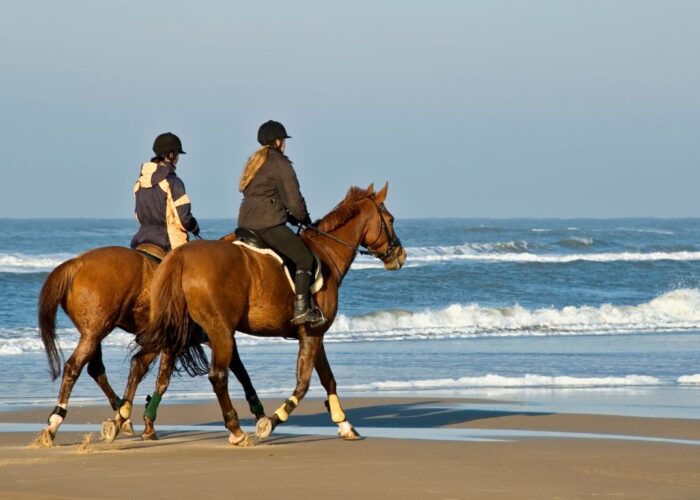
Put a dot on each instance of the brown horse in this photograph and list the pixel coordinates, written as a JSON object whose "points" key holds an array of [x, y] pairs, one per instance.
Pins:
{"points": [[225, 288], [100, 290]]}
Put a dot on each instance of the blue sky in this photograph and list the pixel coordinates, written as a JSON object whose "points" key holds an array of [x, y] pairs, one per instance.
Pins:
{"points": [[468, 109]]}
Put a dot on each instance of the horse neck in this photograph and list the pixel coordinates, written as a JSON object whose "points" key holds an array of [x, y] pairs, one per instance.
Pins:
{"points": [[337, 256]]}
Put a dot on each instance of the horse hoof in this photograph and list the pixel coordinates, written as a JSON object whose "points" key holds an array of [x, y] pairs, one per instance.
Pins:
{"points": [[149, 436], [245, 441], [348, 432], [353, 435], [110, 430], [263, 428], [127, 428], [46, 438]]}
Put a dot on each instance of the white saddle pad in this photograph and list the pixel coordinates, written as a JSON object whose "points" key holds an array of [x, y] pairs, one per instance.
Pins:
{"points": [[318, 276]]}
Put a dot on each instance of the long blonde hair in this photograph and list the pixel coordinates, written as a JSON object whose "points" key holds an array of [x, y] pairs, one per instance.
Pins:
{"points": [[253, 166]]}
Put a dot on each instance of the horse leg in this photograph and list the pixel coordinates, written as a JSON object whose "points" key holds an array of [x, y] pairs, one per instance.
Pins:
{"points": [[238, 369], [165, 372], [139, 367], [84, 351], [222, 353], [308, 350], [96, 369], [323, 368]]}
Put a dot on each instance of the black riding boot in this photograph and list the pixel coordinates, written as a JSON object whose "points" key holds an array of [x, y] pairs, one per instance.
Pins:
{"points": [[304, 309]]}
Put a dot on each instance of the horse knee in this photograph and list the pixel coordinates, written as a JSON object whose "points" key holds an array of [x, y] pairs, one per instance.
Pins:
{"points": [[218, 378]]}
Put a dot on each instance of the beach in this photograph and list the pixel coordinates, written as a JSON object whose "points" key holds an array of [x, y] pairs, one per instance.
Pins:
{"points": [[441, 448]]}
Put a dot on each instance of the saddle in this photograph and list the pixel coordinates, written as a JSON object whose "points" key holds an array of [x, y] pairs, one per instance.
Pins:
{"points": [[250, 240], [154, 252]]}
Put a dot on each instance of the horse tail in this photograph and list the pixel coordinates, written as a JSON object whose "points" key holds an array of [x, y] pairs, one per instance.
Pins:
{"points": [[170, 324], [54, 293]]}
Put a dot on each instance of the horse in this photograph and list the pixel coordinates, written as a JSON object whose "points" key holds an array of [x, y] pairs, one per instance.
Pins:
{"points": [[100, 290], [224, 288]]}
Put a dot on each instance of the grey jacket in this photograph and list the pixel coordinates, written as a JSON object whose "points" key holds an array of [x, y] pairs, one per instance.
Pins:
{"points": [[272, 194]]}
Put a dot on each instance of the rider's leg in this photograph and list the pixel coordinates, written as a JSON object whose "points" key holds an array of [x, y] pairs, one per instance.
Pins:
{"points": [[283, 239]]}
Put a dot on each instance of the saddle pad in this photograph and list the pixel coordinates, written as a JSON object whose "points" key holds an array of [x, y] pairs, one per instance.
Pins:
{"points": [[318, 276]]}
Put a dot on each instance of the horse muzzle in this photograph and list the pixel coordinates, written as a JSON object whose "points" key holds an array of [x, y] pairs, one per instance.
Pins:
{"points": [[396, 262]]}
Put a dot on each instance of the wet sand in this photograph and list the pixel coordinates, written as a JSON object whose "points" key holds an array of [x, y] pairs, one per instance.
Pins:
{"points": [[464, 452]]}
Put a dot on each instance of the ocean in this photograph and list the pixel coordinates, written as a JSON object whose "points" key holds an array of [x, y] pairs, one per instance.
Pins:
{"points": [[589, 315]]}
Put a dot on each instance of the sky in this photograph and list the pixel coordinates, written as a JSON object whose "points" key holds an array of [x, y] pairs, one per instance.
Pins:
{"points": [[467, 108]]}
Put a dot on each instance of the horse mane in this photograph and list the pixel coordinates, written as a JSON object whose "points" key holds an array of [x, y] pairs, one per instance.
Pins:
{"points": [[346, 209]]}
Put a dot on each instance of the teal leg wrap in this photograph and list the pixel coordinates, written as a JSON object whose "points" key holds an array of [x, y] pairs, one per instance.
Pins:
{"points": [[152, 406], [119, 402]]}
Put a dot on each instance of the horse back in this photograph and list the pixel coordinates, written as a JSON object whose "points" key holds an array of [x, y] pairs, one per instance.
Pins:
{"points": [[111, 287]]}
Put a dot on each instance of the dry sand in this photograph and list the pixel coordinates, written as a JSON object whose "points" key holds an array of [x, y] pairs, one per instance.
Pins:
{"points": [[203, 465]]}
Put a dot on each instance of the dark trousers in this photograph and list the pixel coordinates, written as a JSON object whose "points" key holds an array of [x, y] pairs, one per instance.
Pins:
{"points": [[285, 241]]}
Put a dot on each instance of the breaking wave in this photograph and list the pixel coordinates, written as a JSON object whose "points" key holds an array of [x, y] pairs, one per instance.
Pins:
{"points": [[519, 252], [20, 263], [499, 381], [678, 310], [672, 311]]}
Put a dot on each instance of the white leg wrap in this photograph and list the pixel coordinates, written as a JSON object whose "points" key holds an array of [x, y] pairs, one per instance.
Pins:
{"points": [[282, 413], [124, 410], [337, 413]]}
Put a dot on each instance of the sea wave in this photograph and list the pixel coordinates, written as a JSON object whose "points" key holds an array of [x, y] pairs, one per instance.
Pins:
{"points": [[506, 251], [677, 310], [22, 263], [690, 379], [475, 252], [576, 242], [498, 381]]}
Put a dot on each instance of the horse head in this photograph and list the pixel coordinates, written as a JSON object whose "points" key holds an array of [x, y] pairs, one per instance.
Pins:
{"points": [[380, 239]]}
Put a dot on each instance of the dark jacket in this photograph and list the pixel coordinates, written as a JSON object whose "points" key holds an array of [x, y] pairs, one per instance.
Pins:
{"points": [[272, 194], [162, 207]]}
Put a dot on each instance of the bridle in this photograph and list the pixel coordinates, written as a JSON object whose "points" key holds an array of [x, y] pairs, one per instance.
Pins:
{"points": [[392, 239]]}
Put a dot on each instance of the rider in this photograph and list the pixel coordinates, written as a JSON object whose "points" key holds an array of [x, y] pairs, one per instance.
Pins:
{"points": [[162, 205], [271, 198]]}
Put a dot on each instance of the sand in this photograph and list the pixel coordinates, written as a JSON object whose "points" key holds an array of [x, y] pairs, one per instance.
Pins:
{"points": [[201, 464]]}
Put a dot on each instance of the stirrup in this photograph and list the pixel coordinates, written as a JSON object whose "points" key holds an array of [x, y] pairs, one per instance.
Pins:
{"points": [[313, 316]]}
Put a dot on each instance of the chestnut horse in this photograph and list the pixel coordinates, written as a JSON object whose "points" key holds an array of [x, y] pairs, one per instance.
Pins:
{"points": [[100, 290], [225, 288]]}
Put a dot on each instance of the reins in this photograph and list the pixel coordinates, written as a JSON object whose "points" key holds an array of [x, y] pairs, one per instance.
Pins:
{"points": [[392, 241]]}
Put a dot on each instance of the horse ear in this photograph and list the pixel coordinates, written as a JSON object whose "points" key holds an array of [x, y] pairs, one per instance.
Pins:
{"points": [[381, 195], [370, 189]]}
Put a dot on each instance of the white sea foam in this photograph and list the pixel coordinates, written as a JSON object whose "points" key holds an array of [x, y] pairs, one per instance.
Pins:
{"points": [[480, 253], [645, 230], [676, 310], [498, 381], [21, 263], [690, 379]]}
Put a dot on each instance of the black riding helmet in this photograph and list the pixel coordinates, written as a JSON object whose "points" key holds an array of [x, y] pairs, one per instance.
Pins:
{"points": [[270, 131], [167, 143]]}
